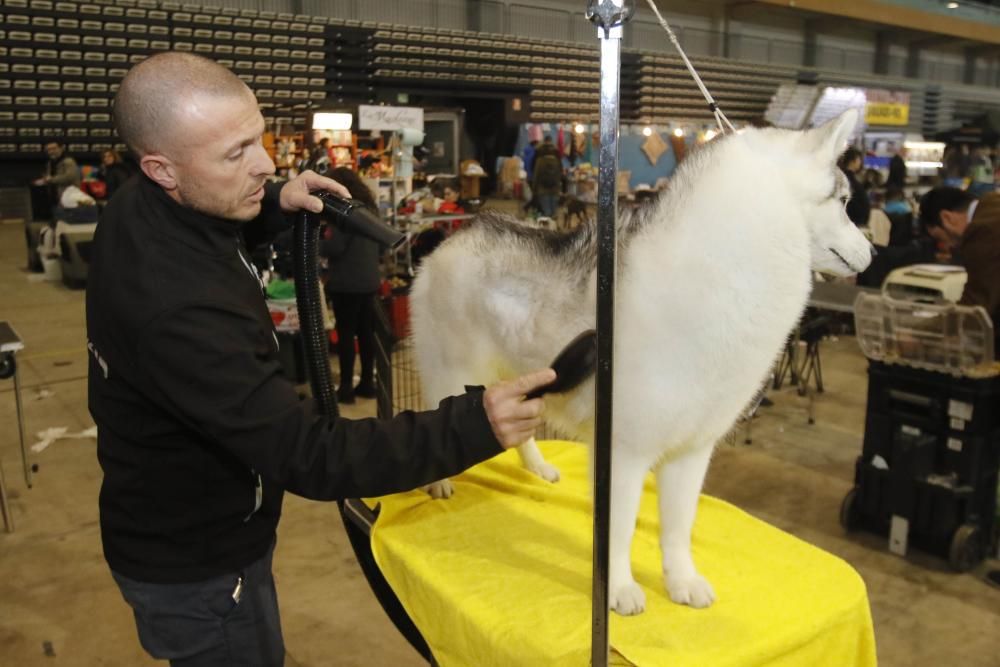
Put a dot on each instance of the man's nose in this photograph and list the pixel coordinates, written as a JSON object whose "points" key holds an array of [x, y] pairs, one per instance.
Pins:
{"points": [[262, 163]]}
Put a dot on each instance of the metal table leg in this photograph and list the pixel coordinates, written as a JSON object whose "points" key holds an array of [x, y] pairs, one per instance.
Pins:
{"points": [[20, 428], [8, 516]]}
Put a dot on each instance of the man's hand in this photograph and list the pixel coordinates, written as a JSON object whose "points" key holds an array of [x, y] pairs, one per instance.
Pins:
{"points": [[295, 194], [40, 181], [514, 419]]}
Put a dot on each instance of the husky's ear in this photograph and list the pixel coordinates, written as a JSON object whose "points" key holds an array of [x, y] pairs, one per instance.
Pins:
{"points": [[829, 140]]}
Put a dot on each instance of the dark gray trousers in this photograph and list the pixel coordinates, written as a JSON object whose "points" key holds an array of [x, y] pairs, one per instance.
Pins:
{"points": [[231, 620]]}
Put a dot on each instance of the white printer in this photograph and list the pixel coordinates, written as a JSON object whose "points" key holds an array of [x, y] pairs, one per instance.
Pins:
{"points": [[929, 283]]}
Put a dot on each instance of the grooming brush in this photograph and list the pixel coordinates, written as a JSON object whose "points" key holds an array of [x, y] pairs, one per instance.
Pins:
{"points": [[574, 364]]}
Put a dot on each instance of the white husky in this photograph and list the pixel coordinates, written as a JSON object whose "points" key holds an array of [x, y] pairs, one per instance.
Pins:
{"points": [[712, 279]]}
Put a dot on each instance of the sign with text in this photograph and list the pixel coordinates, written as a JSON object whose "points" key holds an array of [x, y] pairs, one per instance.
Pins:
{"points": [[390, 118], [886, 107]]}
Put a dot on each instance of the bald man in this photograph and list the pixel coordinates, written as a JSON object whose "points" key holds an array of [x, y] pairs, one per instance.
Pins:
{"points": [[200, 433]]}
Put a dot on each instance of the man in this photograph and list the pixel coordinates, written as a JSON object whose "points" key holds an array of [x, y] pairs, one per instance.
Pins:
{"points": [[199, 432], [548, 174], [61, 171], [957, 220], [897, 170]]}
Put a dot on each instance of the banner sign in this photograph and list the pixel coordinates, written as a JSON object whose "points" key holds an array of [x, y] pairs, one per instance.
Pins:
{"points": [[885, 107], [390, 118]]}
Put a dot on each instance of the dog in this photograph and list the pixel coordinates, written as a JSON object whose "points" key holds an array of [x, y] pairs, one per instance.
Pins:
{"points": [[711, 280], [575, 208]]}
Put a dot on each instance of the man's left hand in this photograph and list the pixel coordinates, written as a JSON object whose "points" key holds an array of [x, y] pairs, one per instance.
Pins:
{"points": [[295, 194]]}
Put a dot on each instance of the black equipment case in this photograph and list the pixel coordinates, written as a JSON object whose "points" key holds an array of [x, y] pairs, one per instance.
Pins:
{"points": [[927, 474]]}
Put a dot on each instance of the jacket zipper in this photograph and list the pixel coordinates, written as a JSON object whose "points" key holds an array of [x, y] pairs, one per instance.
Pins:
{"points": [[258, 490], [253, 272], [258, 494]]}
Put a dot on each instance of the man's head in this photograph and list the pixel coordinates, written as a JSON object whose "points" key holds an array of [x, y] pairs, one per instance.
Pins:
{"points": [[196, 130], [54, 150], [851, 160], [944, 213]]}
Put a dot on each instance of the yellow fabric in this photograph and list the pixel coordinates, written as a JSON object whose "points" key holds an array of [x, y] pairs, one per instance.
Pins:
{"points": [[500, 574]]}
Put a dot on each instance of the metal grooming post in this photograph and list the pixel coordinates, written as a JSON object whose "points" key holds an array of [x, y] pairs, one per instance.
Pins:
{"points": [[609, 16]]}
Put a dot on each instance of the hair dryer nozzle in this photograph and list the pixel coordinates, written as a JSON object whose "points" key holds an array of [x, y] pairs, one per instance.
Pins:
{"points": [[356, 218]]}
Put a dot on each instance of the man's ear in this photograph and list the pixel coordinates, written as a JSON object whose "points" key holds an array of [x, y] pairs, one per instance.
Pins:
{"points": [[954, 222], [160, 170]]}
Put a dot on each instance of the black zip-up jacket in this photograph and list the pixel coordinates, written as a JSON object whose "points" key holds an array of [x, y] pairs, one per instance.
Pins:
{"points": [[199, 432]]}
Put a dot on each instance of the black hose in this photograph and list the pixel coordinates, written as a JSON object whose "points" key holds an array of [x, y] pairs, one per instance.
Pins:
{"points": [[308, 297]]}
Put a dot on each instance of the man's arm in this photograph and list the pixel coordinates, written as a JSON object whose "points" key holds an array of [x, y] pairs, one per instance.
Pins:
{"points": [[980, 252], [67, 173], [215, 371]]}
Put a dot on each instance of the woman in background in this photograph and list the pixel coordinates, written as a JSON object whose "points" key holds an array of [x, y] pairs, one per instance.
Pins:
{"points": [[352, 279], [114, 172], [858, 207]]}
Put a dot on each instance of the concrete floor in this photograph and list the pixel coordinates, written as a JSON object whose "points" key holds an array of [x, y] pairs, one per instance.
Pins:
{"points": [[59, 605]]}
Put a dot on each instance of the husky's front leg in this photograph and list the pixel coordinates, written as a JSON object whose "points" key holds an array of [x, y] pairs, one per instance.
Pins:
{"points": [[532, 459], [679, 483], [626, 489]]}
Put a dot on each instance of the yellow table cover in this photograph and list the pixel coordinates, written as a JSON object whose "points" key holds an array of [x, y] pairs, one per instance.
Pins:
{"points": [[500, 574]]}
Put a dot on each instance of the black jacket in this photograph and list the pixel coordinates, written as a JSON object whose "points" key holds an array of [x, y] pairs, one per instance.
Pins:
{"points": [[199, 433], [352, 263]]}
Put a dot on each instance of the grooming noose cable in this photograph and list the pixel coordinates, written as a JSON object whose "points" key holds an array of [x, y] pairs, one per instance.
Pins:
{"points": [[720, 117]]}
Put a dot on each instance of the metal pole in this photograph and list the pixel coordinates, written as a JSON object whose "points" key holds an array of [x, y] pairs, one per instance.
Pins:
{"points": [[20, 428], [609, 16]]}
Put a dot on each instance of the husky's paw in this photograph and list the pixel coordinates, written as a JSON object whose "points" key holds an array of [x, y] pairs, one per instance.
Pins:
{"points": [[628, 600], [693, 590], [440, 489], [546, 471]]}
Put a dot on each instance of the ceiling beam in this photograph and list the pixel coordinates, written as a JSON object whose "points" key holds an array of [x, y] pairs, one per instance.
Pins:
{"points": [[871, 11]]}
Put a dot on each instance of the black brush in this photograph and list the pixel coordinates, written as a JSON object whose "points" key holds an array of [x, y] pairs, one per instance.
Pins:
{"points": [[574, 364]]}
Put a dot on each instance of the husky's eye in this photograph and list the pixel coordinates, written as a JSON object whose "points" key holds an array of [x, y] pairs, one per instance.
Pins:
{"points": [[844, 199]]}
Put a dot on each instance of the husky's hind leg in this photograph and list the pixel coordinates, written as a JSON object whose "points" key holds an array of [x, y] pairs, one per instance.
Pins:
{"points": [[532, 459], [679, 484], [627, 476]]}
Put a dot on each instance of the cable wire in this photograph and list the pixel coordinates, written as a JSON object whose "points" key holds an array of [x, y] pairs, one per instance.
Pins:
{"points": [[720, 117]]}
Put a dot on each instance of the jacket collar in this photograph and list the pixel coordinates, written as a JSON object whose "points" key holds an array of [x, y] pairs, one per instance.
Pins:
{"points": [[200, 231]]}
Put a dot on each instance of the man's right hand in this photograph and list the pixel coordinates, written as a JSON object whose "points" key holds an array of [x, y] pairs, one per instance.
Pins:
{"points": [[513, 418]]}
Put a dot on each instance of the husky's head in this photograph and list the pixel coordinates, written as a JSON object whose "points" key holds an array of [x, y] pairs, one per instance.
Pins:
{"points": [[836, 244]]}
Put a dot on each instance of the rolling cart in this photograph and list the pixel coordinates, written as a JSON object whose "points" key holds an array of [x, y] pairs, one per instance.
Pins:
{"points": [[927, 474]]}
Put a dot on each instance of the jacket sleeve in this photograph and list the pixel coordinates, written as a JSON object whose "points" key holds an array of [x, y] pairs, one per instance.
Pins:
{"points": [[980, 252], [67, 173], [215, 371]]}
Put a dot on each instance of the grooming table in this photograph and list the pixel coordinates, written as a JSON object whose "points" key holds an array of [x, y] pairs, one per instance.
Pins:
{"points": [[500, 574]]}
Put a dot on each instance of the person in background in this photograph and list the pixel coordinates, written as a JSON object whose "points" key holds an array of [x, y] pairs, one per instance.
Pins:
{"points": [[113, 172], [61, 171], [548, 177], [199, 432], [897, 170], [900, 214], [955, 167], [529, 157], [980, 172], [320, 161], [956, 219], [352, 279], [858, 207]]}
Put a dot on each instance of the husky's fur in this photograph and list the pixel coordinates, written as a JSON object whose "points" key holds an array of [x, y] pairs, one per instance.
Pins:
{"points": [[711, 281]]}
